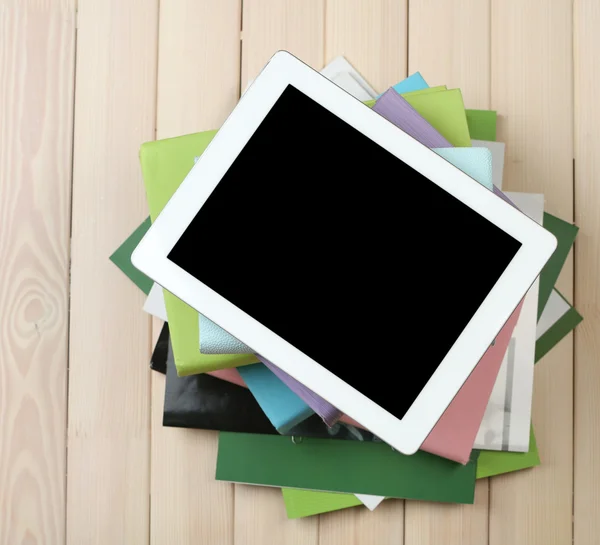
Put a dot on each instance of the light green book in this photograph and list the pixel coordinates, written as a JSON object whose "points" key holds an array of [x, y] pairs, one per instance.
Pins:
{"points": [[445, 112], [165, 164]]}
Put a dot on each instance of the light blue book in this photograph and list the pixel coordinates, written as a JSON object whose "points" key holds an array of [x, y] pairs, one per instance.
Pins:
{"points": [[414, 82], [282, 406]]}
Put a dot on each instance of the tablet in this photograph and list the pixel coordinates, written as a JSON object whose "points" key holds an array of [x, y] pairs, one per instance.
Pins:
{"points": [[302, 258]]}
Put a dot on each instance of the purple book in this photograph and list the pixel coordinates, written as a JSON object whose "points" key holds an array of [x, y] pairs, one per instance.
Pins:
{"points": [[399, 112]]}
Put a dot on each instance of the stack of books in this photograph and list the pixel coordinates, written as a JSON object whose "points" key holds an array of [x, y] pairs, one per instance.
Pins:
{"points": [[276, 432]]}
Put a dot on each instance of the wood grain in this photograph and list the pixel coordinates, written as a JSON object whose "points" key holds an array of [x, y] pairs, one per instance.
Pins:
{"points": [[372, 36], [260, 518], [109, 381], [532, 74], [198, 65], [142, 71], [431, 523], [268, 26], [37, 61], [449, 43], [384, 526], [587, 272], [198, 85]]}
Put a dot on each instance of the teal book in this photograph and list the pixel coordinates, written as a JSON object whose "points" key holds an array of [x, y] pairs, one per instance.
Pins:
{"points": [[414, 82], [282, 406]]}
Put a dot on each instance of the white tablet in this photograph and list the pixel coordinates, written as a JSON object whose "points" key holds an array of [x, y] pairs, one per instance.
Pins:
{"points": [[307, 261]]}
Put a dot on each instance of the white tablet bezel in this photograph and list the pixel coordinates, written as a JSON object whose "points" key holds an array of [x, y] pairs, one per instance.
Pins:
{"points": [[405, 435]]}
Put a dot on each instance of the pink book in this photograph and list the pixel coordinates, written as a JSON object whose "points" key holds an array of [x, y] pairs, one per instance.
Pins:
{"points": [[454, 434], [230, 375]]}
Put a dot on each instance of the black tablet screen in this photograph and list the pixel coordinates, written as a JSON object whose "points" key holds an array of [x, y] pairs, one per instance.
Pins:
{"points": [[345, 251]]}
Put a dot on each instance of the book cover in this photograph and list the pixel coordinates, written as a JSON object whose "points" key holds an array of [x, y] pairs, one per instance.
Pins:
{"points": [[305, 503], [342, 466], [165, 164], [507, 419]]}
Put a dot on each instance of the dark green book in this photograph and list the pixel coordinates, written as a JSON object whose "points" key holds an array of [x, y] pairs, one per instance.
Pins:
{"points": [[343, 466]]}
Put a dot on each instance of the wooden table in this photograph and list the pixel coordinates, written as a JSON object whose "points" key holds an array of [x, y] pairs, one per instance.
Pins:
{"points": [[82, 86]]}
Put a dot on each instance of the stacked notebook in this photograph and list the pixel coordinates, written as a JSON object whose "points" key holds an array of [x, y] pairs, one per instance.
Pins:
{"points": [[276, 432]]}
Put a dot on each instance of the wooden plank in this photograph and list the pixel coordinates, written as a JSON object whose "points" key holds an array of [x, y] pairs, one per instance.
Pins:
{"points": [[37, 62], [268, 26], [587, 271], [449, 43], [432, 523], [384, 526], [109, 383], [372, 36], [532, 74], [198, 85], [260, 519], [198, 65]]}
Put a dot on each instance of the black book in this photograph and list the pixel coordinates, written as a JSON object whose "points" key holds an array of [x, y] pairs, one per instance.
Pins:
{"points": [[158, 361], [208, 403]]}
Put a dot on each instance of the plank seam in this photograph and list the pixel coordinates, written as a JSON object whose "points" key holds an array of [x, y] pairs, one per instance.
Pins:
{"points": [[240, 60], [574, 346], [241, 47], [574, 265], [150, 320], [407, 43], [489, 103], [323, 62], [69, 272]]}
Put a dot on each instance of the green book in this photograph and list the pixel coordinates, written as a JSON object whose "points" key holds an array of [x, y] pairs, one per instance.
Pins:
{"points": [[556, 322], [165, 164], [482, 124], [306, 503], [122, 258], [565, 234], [342, 466], [445, 111], [494, 462]]}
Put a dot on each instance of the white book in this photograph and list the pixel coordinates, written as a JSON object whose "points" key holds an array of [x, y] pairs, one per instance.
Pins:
{"points": [[340, 65], [370, 502], [555, 309], [344, 75], [351, 85], [507, 419], [155, 303], [497, 149]]}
